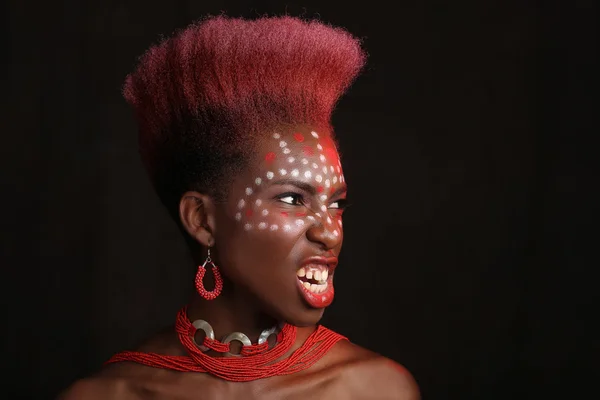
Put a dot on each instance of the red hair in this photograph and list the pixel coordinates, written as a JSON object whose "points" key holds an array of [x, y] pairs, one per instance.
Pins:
{"points": [[202, 96]]}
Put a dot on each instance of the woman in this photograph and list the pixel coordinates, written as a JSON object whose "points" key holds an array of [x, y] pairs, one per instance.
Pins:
{"points": [[235, 133]]}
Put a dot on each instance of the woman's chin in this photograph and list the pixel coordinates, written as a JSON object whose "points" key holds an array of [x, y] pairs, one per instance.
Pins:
{"points": [[307, 317]]}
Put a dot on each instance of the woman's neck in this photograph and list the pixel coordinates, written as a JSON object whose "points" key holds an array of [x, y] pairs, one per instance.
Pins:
{"points": [[230, 312]]}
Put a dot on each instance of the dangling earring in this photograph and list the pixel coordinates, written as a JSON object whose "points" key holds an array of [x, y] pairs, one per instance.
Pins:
{"points": [[218, 280]]}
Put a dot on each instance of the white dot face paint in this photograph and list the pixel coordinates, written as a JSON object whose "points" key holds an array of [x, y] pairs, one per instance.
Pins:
{"points": [[315, 160], [315, 134], [340, 222], [336, 233]]}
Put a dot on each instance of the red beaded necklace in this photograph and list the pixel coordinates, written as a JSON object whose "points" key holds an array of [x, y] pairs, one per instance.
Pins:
{"points": [[256, 361]]}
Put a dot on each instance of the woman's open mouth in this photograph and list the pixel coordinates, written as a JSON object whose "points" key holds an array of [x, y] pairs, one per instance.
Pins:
{"points": [[314, 277], [315, 281]]}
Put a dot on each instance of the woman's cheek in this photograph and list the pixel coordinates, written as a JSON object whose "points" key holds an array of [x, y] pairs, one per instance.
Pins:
{"points": [[255, 216], [289, 221], [338, 219]]}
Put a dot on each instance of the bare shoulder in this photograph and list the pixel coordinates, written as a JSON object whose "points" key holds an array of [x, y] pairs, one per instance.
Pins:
{"points": [[369, 375], [95, 388], [392, 380]]}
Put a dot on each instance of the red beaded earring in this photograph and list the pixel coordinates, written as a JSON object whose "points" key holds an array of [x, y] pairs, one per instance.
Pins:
{"points": [[218, 279]]}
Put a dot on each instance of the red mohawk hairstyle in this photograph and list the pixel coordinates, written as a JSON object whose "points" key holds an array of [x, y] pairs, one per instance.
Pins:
{"points": [[202, 97]]}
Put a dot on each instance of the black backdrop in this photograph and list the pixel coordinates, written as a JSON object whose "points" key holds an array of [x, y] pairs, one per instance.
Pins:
{"points": [[466, 149]]}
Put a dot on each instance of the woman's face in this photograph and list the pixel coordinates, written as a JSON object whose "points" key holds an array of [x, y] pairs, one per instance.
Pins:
{"points": [[279, 233]]}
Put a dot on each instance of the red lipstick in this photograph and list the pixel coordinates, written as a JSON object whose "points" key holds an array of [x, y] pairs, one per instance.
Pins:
{"points": [[315, 280]]}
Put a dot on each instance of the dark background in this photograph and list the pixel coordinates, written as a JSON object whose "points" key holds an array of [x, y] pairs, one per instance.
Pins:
{"points": [[467, 147]]}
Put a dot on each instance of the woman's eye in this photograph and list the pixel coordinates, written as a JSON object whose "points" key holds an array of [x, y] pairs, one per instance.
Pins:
{"points": [[292, 199]]}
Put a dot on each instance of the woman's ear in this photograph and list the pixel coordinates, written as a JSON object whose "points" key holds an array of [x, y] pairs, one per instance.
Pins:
{"points": [[197, 214]]}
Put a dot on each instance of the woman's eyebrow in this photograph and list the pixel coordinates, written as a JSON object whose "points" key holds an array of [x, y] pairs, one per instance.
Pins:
{"points": [[307, 187]]}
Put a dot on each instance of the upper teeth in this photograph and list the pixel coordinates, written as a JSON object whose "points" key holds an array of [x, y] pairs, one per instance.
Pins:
{"points": [[318, 272]]}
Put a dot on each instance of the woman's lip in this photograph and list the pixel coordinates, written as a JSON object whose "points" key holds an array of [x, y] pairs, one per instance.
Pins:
{"points": [[317, 300], [330, 262]]}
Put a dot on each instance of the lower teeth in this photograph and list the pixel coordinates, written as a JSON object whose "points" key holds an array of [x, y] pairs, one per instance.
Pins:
{"points": [[315, 288]]}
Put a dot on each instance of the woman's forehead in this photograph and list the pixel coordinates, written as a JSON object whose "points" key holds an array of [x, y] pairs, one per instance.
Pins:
{"points": [[298, 148], [302, 155]]}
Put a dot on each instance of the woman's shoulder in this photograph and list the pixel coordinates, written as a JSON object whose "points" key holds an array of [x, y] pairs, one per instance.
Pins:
{"points": [[121, 381], [97, 388], [368, 374]]}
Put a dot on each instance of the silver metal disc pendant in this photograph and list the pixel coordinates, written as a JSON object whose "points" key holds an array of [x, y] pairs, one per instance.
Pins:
{"points": [[240, 337], [264, 335], [208, 330]]}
